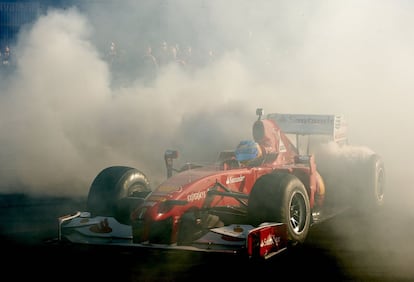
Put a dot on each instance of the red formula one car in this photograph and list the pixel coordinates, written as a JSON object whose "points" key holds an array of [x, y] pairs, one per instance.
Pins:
{"points": [[257, 200]]}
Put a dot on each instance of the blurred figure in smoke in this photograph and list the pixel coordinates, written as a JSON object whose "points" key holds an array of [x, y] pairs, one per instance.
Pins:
{"points": [[112, 53], [175, 57], [115, 56], [187, 58], [187, 55], [149, 65], [210, 56], [6, 56], [163, 54]]}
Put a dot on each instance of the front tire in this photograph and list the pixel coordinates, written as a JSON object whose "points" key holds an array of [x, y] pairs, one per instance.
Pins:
{"points": [[115, 191], [281, 197]]}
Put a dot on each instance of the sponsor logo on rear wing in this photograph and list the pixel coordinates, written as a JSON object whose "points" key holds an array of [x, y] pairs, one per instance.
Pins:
{"points": [[308, 124]]}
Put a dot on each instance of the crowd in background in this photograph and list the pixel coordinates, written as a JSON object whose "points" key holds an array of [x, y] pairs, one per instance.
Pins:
{"points": [[151, 59], [143, 65]]}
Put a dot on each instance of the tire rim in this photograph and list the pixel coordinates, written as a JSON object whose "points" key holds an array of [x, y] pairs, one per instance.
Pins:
{"points": [[136, 188], [297, 212]]}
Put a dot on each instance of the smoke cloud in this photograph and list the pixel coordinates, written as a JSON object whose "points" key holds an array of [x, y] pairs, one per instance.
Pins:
{"points": [[67, 111]]}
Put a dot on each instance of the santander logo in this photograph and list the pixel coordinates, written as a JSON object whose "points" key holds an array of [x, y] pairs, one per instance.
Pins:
{"points": [[270, 240], [232, 179]]}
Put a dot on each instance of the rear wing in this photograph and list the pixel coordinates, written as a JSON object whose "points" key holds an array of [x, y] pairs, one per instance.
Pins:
{"points": [[309, 124]]}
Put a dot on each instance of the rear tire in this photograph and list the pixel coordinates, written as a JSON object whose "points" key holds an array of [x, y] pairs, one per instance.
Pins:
{"points": [[281, 197], [372, 189], [116, 191]]}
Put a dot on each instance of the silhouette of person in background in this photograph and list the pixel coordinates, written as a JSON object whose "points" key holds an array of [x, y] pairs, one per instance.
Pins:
{"points": [[163, 55], [6, 56], [149, 65], [112, 53]]}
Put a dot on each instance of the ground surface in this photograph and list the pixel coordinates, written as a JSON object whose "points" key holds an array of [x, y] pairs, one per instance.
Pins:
{"points": [[344, 248]]}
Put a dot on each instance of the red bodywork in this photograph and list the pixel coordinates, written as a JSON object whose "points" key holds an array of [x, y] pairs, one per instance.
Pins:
{"points": [[193, 189]]}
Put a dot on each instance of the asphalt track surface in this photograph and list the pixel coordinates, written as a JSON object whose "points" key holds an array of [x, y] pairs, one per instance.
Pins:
{"points": [[344, 248]]}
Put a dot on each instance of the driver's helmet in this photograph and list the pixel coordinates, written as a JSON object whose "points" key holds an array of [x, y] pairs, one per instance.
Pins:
{"points": [[247, 151]]}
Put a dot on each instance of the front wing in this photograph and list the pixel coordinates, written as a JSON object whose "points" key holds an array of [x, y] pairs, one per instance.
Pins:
{"points": [[263, 241]]}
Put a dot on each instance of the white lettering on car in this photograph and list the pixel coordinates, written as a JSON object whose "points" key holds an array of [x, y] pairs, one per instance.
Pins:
{"points": [[231, 179], [270, 240], [196, 196]]}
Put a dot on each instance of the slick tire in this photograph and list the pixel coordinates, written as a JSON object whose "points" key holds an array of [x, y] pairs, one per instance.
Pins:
{"points": [[115, 191], [370, 192], [281, 197]]}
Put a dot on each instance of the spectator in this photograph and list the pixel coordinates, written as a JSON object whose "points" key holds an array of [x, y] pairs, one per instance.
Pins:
{"points": [[149, 65], [112, 53], [163, 55], [175, 58], [187, 55], [6, 56]]}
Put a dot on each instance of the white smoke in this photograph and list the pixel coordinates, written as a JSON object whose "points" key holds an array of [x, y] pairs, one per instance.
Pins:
{"points": [[66, 113]]}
